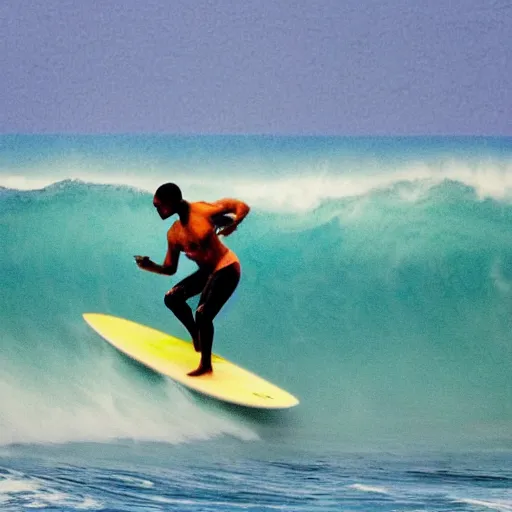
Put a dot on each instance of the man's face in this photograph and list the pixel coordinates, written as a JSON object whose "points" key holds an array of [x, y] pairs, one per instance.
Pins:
{"points": [[164, 210]]}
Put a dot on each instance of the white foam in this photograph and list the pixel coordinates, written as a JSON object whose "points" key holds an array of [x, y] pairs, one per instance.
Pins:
{"points": [[36, 504], [136, 482], [301, 190], [33, 495], [44, 499], [15, 486], [88, 504], [369, 488], [113, 407], [500, 505]]}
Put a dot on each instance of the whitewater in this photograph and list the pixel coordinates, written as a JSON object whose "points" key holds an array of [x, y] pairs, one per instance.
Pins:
{"points": [[376, 286]]}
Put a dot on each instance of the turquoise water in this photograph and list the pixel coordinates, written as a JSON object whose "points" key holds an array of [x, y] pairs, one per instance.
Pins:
{"points": [[376, 286]]}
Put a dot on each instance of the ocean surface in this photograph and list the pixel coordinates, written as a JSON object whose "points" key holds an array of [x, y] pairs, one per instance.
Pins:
{"points": [[376, 287]]}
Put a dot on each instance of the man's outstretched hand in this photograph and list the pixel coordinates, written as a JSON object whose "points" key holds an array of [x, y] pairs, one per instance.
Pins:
{"points": [[142, 261]]}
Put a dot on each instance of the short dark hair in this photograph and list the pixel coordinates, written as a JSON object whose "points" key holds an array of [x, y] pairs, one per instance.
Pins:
{"points": [[169, 193]]}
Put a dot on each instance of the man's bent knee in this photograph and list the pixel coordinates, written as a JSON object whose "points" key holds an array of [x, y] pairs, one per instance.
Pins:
{"points": [[173, 297], [201, 315]]}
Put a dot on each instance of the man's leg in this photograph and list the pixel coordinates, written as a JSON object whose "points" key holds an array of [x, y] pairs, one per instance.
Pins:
{"points": [[176, 300], [218, 290]]}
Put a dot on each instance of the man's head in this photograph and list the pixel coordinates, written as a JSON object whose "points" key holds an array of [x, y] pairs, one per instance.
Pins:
{"points": [[167, 199]]}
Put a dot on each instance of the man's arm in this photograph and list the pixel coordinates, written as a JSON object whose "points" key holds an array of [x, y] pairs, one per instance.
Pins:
{"points": [[233, 206], [170, 264], [226, 206]]}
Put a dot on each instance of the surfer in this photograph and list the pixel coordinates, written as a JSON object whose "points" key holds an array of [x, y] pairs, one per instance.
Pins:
{"points": [[196, 234]]}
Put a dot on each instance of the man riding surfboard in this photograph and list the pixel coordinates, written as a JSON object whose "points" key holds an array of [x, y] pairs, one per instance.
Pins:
{"points": [[196, 234]]}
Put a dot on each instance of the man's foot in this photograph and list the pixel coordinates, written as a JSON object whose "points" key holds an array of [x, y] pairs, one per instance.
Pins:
{"points": [[201, 370]]}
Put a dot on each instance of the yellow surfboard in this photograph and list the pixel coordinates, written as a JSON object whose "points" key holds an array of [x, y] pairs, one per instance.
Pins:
{"points": [[173, 357]]}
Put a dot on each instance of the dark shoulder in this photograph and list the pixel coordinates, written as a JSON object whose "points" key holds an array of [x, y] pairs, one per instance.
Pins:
{"points": [[211, 212], [202, 207]]}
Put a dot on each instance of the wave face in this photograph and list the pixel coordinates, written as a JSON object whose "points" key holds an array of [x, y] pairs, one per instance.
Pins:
{"points": [[377, 285]]}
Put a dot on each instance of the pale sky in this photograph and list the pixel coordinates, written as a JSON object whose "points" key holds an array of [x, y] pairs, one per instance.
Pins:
{"points": [[337, 67]]}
